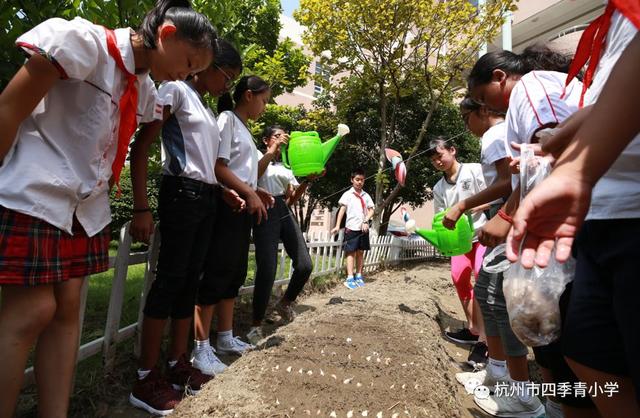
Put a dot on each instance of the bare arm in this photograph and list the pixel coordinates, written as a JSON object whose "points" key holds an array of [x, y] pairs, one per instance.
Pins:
{"points": [[297, 193], [254, 203], [23, 93], [142, 224], [339, 217]]}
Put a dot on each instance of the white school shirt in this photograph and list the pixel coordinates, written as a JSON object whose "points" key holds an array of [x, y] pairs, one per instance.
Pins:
{"points": [[190, 137], [60, 161], [238, 149], [617, 194], [355, 213], [492, 150], [277, 178], [536, 100], [469, 182]]}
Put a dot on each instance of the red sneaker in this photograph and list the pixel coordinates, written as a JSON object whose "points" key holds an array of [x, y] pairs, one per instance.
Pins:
{"points": [[184, 376], [154, 394]]}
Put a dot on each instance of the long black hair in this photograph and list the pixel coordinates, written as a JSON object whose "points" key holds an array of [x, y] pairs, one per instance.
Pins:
{"points": [[251, 83], [191, 25], [534, 57], [227, 55]]}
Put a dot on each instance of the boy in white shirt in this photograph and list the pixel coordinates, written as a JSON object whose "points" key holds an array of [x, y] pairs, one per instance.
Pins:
{"points": [[359, 208]]}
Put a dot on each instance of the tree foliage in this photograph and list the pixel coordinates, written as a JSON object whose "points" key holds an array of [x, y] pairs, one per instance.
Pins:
{"points": [[252, 25], [394, 51]]}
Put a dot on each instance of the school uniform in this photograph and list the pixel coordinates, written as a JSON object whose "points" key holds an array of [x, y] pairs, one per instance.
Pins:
{"points": [[357, 205], [446, 193], [54, 182], [538, 99], [604, 301], [188, 200], [226, 263], [492, 150], [280, 225]]}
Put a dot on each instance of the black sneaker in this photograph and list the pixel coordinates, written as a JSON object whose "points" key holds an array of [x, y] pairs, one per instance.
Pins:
{"points": [[478, 355], [461, 336]]}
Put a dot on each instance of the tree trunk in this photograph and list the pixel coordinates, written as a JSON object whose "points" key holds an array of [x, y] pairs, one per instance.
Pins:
{"points": [[381, 159]]}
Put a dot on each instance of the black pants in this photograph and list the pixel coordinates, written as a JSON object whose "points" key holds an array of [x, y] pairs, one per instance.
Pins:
{"points": [[187, 211], [602, 330], [280, 225], [226, 263]]}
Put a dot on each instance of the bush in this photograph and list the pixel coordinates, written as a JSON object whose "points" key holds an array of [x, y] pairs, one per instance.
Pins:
{"points": [[122, 205]]}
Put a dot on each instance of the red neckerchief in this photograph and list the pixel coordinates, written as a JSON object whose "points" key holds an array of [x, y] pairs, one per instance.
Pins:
{"points": [[128, 107], [364, 205], [593, 40]]}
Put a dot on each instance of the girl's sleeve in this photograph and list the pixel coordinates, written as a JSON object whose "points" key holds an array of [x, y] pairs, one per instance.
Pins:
{"points": [[71, 46], [535, 102], [481, 184], [171, 94], [150, 105], [225, 125], [438, 201]]}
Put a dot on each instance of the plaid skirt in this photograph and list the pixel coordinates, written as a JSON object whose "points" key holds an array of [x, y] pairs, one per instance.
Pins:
{"points": [[34, 252]]}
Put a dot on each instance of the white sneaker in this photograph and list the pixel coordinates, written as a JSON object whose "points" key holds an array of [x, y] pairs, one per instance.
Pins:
{"points": [[553, 409], [234, 345], [471, 380], [510, 406], [254, 335], [207, 362]]}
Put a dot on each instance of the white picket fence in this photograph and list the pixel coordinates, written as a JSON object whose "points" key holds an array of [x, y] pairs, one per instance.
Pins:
{"points": [[326, 254]]}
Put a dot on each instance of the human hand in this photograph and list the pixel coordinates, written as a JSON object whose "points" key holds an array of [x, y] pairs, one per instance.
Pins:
{"points": [[451, 217], [278, 140], [494, 232], [335, 230], [141, 227], [365, 227], [233, 199], [266, 197], [554, 210], [255, 206]]}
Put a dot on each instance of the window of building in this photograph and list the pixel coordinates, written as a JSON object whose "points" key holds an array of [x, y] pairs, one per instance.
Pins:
{"points": [[323, 72]]}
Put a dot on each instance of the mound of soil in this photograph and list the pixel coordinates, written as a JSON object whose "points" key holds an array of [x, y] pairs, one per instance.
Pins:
{"points": [[375, 351]]}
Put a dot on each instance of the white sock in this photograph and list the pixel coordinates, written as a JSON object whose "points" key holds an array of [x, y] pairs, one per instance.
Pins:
{"points": [[142, 373], [172, 362], [497, 368], [349, 277], [224, 337], [359, 276], [202, 344], [523, 390]]}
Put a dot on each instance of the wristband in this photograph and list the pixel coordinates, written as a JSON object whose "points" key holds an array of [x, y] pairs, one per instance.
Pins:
{"points": [[141, 210], [503, 215]]}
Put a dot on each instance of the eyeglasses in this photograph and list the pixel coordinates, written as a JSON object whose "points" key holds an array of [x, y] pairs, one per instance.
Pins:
{"points": [[228, 80]]}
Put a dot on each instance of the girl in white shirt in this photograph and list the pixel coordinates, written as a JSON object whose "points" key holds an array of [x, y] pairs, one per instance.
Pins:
{"points": [[237, 168], [460, 181], [530, 87], [187, 207], [67, 117], [278, 180]]}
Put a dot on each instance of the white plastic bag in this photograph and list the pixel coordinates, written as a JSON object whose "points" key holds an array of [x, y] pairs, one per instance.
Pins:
{"points": [[532, 296]]}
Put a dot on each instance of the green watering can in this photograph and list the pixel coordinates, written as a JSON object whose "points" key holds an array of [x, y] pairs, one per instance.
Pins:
{"points": [[306, 154], [449, 242]]}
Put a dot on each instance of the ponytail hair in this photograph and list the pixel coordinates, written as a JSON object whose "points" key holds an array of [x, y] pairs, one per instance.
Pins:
{"points": [[251, 83], [227, 55], [535, 57], [469, 105], [191, 25]]}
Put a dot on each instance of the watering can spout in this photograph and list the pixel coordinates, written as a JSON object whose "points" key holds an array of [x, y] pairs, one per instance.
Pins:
{"points": [[330, 145], [429, 235]]}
